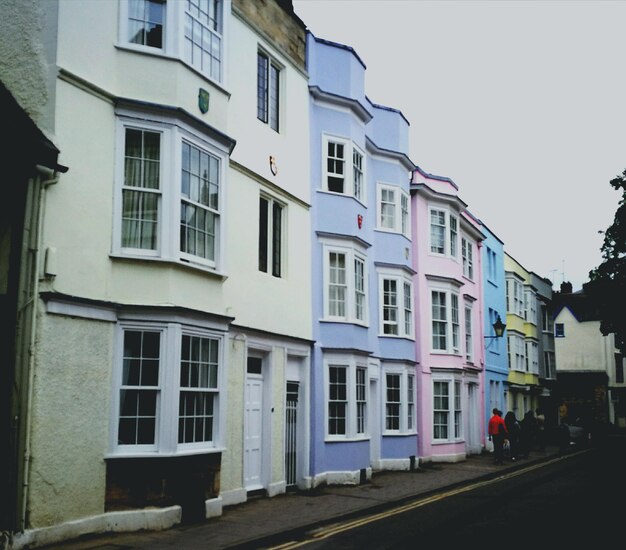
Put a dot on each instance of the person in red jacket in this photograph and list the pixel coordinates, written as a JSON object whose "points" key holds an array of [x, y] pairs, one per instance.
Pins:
{"points": [[497, 433]]}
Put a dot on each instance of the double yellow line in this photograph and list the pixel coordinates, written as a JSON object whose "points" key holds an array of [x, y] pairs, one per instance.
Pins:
{"points": [[333, 530]]}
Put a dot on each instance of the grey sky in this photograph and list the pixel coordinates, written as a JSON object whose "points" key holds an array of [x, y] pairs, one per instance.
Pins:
{"points": [[521, 103]]}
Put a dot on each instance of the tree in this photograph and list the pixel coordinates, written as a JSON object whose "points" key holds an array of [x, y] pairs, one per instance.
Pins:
{"points": [[607, 282]]}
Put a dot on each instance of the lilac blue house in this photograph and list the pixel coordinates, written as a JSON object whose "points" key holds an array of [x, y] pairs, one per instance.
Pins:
{"points": [[494, 297], [363, 407]]}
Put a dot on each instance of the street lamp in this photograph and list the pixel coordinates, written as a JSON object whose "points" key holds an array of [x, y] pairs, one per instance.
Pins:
{"points": [[499, 327]]}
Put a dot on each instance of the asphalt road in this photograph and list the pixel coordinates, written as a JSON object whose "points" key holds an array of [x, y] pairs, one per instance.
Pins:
{"points": [[575, 503]]}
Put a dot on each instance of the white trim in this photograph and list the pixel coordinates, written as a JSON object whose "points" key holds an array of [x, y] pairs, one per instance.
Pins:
{"points": [[153, 519], [348, 168], [403, 316]]}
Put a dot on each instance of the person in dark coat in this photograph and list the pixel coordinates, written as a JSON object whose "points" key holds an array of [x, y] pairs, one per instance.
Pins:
{"points": [[513, 428], [527, 434]]}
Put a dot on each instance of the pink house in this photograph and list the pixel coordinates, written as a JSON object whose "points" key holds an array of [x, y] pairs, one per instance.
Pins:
{"points": [[448, 317]]}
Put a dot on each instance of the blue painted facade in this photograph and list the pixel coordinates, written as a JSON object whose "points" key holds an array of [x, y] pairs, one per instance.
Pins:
{"points": [[357, 149], [494, 295]]}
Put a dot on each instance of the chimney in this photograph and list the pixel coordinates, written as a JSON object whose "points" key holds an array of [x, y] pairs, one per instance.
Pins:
{"points": [[566, 287]]}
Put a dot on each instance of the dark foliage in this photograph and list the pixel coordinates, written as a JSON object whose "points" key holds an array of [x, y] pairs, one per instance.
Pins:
{"points": [[607, 282]]}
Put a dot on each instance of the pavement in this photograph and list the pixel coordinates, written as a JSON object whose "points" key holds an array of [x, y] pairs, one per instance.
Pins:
{"points": [[256, 523]]}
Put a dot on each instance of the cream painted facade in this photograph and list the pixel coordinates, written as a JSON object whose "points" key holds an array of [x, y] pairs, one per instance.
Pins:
{"points": [[584, 348], [86, 87]]}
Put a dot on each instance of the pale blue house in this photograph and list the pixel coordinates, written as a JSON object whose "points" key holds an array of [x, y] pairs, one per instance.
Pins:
{"points": [[363, 407], [494, 296]]}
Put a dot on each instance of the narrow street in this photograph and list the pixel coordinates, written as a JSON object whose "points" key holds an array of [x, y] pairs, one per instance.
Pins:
{"points": [[562, 501]]}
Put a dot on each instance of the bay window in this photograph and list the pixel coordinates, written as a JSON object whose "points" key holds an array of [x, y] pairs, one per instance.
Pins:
{"points": [[445, 321], [447, 411], [169, 193], [190, 30], [399, 399], [393, 210], [167, 389], [343, 167], [396, 304], [347, 397], [443, 232], [345, 288]]}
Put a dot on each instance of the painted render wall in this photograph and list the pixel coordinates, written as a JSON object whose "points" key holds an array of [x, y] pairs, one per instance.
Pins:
{"points": [[583, 348], [339, 109], [70, 420], [494, 296], [434, 271]]}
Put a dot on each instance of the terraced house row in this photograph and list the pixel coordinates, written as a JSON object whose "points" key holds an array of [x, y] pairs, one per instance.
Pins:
{"points": [[224, 274]]}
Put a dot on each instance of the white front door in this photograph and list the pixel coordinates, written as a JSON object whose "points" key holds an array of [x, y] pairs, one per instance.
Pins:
{"points": [[253, 426]]}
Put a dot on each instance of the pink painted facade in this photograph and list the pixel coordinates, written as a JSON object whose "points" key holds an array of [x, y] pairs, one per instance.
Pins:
{"points": [[448, 315]]}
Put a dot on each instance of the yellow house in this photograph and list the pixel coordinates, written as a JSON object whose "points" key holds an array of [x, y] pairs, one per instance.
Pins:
{"points": [[523, 390]]}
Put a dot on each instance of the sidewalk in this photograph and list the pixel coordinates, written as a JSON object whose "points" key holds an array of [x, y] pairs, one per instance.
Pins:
{"points": [[246, 524]]}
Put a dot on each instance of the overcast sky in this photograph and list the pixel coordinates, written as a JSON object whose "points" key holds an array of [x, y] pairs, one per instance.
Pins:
{"points": [[521, 103]]}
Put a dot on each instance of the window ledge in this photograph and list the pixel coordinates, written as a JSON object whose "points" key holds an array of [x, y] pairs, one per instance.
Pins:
{"points": [[447, 441], [347, 439], [399, 434], [397, 337], [344, 322], [171, 262], [156, 454]]}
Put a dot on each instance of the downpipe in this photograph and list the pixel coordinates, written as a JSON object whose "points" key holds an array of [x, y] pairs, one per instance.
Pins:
{"points": [[34, 249]]}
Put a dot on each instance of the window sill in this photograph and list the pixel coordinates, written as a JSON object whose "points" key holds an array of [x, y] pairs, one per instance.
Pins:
{"points": [[397, 337], [171, 262], [346, 439], [399, 434], [156, 454], [447, 441], [344, 322]]}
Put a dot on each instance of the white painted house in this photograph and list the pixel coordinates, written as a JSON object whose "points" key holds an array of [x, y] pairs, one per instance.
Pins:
{"points": [[170, 314]]}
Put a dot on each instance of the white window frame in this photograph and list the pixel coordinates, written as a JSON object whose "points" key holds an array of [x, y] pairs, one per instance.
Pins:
{"points": [[450, 229], [350, 173], [275, 266], [405, 404], [173, 134], [530, 306], [393, 215], [452, 414], [532, 356], [467, 253], [452, 320], [469, 340], [514, 296], [353, 293], [174, 41], [356, 418], [517, 351], [403, 307], [169, 389]]}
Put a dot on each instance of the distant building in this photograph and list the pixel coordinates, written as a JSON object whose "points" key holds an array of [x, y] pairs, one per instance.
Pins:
{"points": [[590, 369]]}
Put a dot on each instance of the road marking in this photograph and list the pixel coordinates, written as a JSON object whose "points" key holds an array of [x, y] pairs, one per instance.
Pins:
{"points": [[332, 530]]}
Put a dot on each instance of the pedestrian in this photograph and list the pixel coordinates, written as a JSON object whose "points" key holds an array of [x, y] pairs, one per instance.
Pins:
{"points": [[497, 433], [513, 431], [541, 429], [527, 434], [562, 411]]}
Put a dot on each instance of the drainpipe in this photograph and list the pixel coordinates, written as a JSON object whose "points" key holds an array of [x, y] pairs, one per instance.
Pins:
{"points": [[33, 248]]}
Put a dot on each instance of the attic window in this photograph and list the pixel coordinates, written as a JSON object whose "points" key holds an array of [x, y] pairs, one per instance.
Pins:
{"points": [[559, 330]]}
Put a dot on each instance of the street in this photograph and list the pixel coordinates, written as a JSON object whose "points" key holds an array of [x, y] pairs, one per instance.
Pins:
{"points": [[574, 501]]}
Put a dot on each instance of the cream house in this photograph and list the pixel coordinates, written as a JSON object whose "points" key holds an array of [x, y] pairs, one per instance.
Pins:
{"points": [[162, 341]]}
